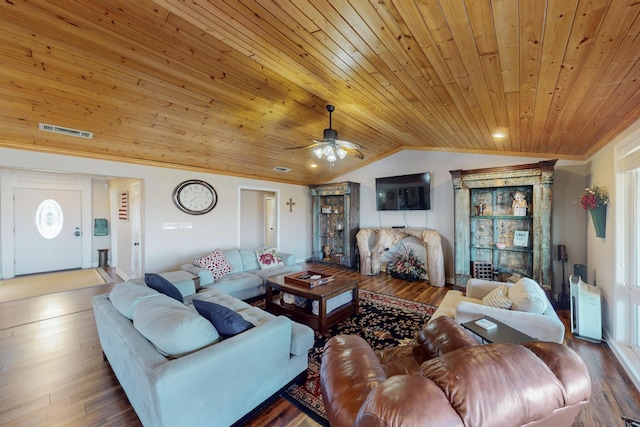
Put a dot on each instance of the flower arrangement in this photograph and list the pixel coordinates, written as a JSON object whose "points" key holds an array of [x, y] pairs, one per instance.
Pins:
{"points": [[594, 197], [406, 265]]}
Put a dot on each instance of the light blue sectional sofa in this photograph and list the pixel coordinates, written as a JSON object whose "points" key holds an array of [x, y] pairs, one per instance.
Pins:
{"points": [[247, 279], [175, 368]]}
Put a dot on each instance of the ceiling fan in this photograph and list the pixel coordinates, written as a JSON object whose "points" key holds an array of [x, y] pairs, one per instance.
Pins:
{"points": [[332, 147]]}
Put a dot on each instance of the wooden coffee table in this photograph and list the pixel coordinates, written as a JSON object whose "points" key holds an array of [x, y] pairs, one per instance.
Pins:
{"points": [[322, 294]]}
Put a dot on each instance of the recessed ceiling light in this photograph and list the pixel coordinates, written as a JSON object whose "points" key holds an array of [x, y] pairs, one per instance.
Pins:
{"points": [[498, 135], [281, 169], [313, 165]]}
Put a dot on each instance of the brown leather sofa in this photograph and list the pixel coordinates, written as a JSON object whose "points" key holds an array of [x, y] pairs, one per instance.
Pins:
{"points": [[447, 379]]}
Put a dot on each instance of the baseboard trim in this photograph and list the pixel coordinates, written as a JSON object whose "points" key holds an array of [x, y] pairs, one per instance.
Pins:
{"points": [[629, 360]]}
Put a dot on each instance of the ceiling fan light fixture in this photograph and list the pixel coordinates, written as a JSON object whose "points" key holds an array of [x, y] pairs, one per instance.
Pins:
{"points": [[330, 147], [328, 151]]}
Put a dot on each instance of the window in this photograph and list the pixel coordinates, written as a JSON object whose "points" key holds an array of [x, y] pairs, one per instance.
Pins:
{"points": [[627, 294], [635, 266], [49, 219]]}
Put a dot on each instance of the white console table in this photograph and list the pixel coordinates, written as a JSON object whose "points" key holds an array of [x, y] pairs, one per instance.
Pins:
{"points": [[373, 242]]}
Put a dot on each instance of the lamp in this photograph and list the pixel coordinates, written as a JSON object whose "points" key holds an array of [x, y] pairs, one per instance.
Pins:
{"points": [[563, 297]]}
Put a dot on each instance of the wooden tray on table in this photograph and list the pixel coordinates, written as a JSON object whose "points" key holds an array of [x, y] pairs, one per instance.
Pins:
{"points": [[308, 278]]}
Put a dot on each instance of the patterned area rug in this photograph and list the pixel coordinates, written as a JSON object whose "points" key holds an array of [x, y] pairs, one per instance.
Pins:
{"points": [[384, 321]]}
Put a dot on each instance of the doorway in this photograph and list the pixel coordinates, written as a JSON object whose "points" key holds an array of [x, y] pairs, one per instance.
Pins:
{"points": [[259, 218]]}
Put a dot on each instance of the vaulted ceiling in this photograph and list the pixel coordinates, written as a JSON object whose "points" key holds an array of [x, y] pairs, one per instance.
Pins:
{"points": [[225, 86]]}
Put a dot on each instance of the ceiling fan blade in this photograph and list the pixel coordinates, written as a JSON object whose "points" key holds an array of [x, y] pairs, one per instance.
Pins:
{"points": [[355, 153], [315, 144], [349, 145]]}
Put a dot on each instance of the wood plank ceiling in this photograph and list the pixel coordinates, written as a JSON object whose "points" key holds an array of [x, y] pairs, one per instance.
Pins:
{"points": [[225, 86]]}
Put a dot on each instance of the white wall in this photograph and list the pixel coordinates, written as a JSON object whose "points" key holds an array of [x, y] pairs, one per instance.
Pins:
{"points": [[568, 218], [168, 249], [100, 208], [600, 251]]}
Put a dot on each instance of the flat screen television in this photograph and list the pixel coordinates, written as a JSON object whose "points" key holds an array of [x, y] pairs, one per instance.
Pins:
{"points": [[404, 192]]}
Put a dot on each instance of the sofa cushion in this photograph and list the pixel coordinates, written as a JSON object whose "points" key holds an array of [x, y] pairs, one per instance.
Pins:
{"points": [[216, 263], [277, 270], [171, 327], [302, 336], [125, 297], [249, 259], [182, 280], [498, 298], [527, 295], [233, 255], [160, 284], [268, 258], [226, 321]]}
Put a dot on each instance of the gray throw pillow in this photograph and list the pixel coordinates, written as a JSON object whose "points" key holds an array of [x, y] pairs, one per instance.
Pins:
{"points": [[226, 321]]}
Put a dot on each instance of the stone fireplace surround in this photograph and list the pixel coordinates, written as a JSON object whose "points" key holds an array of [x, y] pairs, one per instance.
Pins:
{"points": [[374, 242]]}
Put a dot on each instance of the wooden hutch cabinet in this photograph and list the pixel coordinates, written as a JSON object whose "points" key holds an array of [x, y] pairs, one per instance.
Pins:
{"points": [[503, 222], [336, 220]]}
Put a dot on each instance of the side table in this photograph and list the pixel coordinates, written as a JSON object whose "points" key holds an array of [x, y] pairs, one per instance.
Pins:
{"points": [[501, 334]]}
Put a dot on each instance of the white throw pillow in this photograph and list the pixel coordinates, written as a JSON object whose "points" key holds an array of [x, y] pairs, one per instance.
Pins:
{"points": [[498, 298], [527, 295], [216, 263], [268, 258]]}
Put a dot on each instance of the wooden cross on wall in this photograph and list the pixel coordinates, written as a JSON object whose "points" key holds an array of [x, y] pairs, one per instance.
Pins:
{"points": [[291, 203]]}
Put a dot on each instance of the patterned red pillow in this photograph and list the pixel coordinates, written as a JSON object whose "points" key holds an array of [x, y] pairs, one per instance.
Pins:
{"points": [[216, 263]]}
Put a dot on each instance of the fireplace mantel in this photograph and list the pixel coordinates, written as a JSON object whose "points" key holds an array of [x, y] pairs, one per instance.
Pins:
{"points": [[373, 242]]}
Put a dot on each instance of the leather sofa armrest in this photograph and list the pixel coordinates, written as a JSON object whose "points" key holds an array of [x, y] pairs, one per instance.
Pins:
{"points": [[349, 370], [443, 335], [478, 288], [206, 277]]}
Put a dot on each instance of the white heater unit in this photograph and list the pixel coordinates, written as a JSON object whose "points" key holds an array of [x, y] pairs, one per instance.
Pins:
{"points": [[586, 310]]}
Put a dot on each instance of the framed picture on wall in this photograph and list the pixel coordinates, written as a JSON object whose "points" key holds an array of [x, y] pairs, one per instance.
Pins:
{"points": [[521, 238], [123, 206]]}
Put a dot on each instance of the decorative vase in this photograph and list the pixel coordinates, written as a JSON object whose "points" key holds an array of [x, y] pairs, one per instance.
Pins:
{"points": [[599, 218]]}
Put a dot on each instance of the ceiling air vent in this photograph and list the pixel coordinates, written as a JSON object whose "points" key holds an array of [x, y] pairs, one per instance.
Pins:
{"points": [[281, 169], [66, 131]]}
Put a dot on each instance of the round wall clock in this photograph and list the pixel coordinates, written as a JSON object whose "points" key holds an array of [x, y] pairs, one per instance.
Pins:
{"points": [[195, 197]]}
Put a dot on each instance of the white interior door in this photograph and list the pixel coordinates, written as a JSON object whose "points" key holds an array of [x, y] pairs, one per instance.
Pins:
{"points": [[48, 233], [136, 238], [270, 221]]}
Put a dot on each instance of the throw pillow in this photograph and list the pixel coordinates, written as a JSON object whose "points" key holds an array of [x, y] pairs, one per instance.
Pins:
{"points": [[216, 263], [173, 328], [160, 284], [268, 258], [498, 298], [527, 295], [226, 321]]}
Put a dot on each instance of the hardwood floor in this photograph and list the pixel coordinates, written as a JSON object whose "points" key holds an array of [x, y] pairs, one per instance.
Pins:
{"points": [[52, 371]]}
